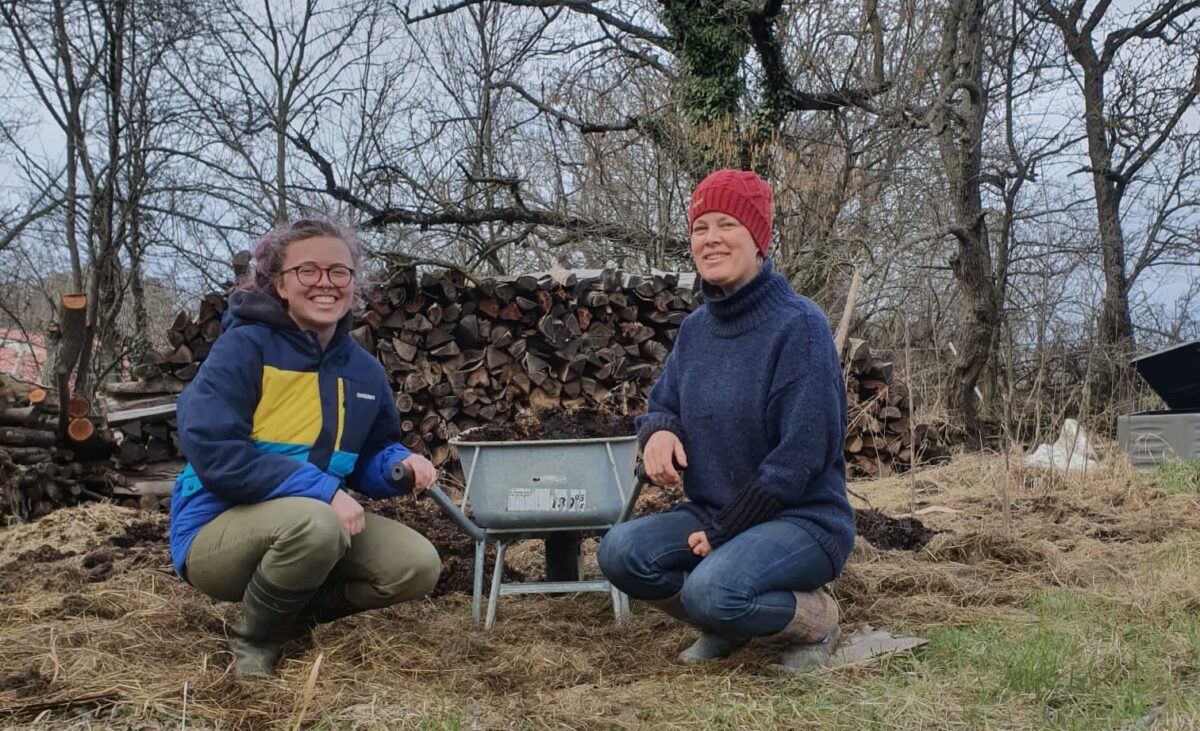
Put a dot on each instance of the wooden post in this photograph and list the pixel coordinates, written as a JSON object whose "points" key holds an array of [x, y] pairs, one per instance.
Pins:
{"points": [[72, 328], [241, 268], [843, 328]]}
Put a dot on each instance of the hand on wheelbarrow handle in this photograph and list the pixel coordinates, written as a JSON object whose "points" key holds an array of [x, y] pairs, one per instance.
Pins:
{"points": [[403, 477], [640, 476]]}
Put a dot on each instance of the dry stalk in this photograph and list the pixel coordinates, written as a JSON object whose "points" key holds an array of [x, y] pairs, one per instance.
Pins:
{"points": [[310, 688], [912, 425]]}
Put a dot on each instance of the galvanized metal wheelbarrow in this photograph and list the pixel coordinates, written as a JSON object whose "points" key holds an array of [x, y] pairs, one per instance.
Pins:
{"points": [[521, 490]]}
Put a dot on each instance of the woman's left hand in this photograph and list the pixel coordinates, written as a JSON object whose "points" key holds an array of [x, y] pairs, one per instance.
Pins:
{"points": [[698, 542], [424, 473]]}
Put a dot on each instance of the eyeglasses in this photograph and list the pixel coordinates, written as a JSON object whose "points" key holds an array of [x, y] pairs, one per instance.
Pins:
{"points": [[310, 274]]}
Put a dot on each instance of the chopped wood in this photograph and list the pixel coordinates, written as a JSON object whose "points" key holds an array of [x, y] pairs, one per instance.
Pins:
{"points": [[462, 353], [78, 406], [80, 429]]}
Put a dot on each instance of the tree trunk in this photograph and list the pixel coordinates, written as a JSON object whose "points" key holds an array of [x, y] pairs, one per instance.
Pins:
{"points": [[1116, 325], [961, 145]]}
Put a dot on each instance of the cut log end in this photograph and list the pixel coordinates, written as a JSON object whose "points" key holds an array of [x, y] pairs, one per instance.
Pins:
{"points": [[73, 300], [78, 407], [80, 429]]}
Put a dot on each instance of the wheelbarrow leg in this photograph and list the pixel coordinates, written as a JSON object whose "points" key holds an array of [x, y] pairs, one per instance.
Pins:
{"points": [[477, 594], [620, 604], [494, 596]]}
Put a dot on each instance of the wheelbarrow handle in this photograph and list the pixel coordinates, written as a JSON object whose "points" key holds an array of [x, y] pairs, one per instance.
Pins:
{"points": [[403, 478], [457, 515]]}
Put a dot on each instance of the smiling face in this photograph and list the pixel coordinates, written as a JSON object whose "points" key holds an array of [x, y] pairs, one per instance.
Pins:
{"points": [[725, 253], [318, 307]]}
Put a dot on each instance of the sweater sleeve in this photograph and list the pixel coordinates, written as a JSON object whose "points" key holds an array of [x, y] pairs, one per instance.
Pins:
{"points": [[750, 506], [215, 415], [372, 473], [662, 406], [806, 414]]}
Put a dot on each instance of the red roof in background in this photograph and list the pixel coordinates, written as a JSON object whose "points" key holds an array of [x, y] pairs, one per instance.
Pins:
{"points": [[20, 357]]}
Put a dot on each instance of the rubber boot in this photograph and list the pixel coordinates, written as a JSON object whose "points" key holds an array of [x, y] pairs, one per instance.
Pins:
{"points": [[330, 602], [709, 647], [268, 614], [813, 631]]}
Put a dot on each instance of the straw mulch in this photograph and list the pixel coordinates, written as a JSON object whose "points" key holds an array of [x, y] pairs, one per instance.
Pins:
{"points": [[96, 629]]}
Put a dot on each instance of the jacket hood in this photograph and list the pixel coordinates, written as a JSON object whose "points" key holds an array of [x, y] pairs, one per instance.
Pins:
{"points": [[249, 307]]}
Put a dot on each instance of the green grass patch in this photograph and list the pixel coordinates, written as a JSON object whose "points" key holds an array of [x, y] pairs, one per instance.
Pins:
{"points": [[1179, 477], [1080, 661]]}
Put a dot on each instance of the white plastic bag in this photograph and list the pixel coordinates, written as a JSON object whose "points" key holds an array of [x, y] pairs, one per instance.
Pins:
{"points": [[1071, 453]]}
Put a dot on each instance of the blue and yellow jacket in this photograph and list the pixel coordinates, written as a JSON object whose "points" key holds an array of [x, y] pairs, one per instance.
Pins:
{"points": [[270, 414]]}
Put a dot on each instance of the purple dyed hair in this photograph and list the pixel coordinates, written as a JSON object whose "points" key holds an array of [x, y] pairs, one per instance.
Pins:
{"points": [[271, 250]]}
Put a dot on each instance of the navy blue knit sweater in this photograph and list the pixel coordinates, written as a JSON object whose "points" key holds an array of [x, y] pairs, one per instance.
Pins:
{"points": [[754, 390]]}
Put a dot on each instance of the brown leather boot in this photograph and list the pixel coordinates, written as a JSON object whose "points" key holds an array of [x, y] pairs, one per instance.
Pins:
{"points": [[813, 632]]}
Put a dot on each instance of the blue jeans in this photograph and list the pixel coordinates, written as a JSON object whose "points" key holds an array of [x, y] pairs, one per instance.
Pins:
{"points": [[742, 588]]}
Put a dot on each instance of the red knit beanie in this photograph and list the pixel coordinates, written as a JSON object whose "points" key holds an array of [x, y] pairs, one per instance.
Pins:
{"points": [[738, 193]]}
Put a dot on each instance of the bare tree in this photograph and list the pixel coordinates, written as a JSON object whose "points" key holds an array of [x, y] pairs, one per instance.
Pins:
{"points": [[90, 66], [267, 67], [716, 118], [1137, 82]]}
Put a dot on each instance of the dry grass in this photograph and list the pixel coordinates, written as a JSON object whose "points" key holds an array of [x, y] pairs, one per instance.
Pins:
{"points": [[114, 645]]}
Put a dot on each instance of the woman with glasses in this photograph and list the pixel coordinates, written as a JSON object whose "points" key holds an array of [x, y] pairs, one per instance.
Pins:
{"points": [[286, 416]]}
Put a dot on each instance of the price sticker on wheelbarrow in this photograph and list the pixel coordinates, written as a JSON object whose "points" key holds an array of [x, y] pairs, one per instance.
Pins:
{"points": [[546, 500]]}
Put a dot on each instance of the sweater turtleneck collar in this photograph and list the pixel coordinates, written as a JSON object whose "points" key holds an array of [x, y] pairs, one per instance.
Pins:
{"points": [[750, 306]]}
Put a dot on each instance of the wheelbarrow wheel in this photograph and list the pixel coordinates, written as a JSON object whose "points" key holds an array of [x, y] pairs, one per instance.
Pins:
{"points": [[563, 556]]}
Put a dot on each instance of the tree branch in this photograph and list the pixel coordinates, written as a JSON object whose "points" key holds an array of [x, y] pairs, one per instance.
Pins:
{"points": [[1151, 26], [779, 79], [33, 215], [382, 217], [578, 6], [1131, 169], [630, 123]]}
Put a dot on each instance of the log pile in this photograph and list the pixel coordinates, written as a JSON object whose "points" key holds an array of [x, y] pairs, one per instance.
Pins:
{"points": [[461, 354], [142, 411], [37, 472], [882, 433], [190, 338], [142, 417]]}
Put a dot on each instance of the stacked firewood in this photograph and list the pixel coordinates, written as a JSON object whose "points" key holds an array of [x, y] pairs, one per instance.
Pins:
{"points": [[142, 410], [464, 354], [882, 431], [37, 472], [459, 353], [190, 338], [142, 416]]}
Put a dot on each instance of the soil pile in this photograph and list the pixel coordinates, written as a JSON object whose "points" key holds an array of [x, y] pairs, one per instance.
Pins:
{"points": [[556, 423], [656, 499], [888, 533]]}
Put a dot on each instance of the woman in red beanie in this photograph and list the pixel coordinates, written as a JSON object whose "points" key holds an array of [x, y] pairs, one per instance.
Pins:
{"points": [[751, 402]]}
